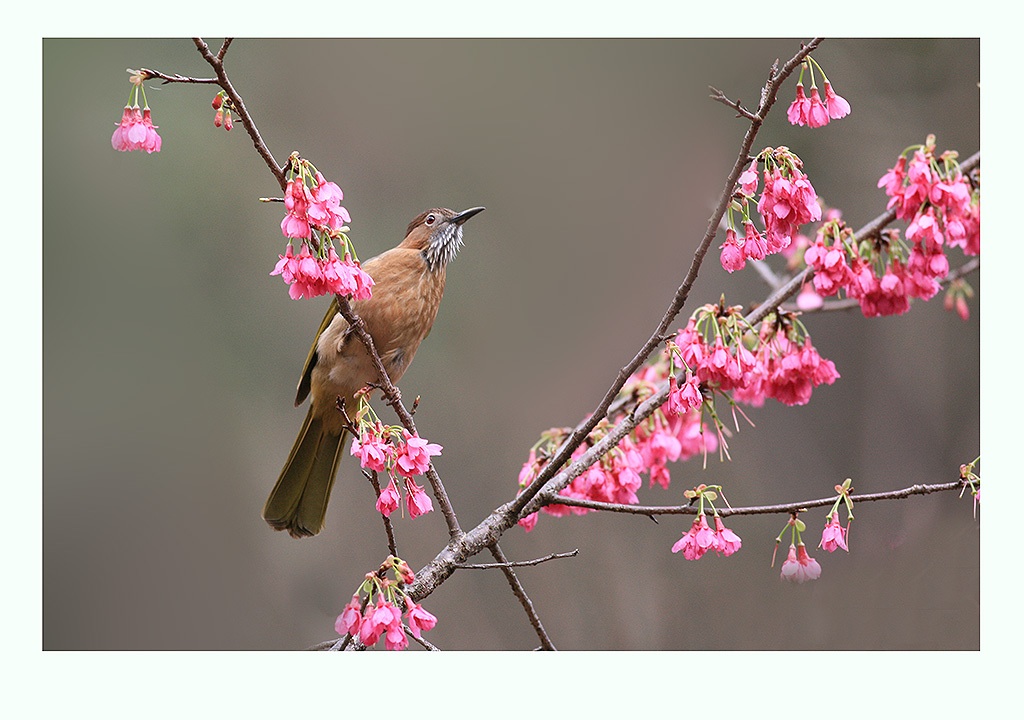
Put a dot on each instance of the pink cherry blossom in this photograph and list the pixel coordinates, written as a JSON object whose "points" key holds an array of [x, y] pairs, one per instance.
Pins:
{"points": [[287, 266], [529, 522], [350, 619], [419, 619], [799, 566], [726, 541], [834, 534], [389, 499], [732, 257], [394, 636], [748, 180], [376, 620], [136, 131], [809, 299], [416, 499], [373, 451], [414, 455], [799, 108], [817, 113], [697, 540], [838, 107], [892, 181], [754, 245], [684, 397], [325, 206]]}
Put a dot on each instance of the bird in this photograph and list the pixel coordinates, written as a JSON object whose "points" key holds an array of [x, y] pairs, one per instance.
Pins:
{"points": [[409, 282]]}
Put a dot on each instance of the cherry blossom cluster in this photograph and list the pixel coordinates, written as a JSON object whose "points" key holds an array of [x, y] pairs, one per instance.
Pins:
{"points": [[315, 217], [700, 538], [813, 111], [393, 450], [136, 130], [787, 202], [722, 354], [665, 436], [942, 207], [715, 353], [222, 118], [371, 620], [799, 566]]}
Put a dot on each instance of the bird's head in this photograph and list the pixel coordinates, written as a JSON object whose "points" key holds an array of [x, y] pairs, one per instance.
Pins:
{"points": [[437, 233]]}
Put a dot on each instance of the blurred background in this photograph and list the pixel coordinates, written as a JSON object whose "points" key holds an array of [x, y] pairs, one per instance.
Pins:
{"points": [[170, 357]]}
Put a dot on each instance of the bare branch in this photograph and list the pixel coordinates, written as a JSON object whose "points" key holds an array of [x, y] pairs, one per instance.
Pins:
{"points": [[524, 599], [520, 563], [651, 510], [217, 63], [388, 529]]}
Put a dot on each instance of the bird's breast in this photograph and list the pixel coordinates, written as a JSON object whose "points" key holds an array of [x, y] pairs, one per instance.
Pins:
{"points": [[398, 316]]}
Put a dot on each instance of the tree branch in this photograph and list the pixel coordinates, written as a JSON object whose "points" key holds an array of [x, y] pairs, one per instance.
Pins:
{"points": [[579, 434], [524, 599], [217, 63], [520, 563], [650, 510]]}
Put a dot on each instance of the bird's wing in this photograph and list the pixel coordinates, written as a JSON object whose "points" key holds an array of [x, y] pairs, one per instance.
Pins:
{"points": [[302, 392]]}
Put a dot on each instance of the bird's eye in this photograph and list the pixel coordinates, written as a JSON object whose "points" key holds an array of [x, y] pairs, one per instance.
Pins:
{"points": [[430, 219]]}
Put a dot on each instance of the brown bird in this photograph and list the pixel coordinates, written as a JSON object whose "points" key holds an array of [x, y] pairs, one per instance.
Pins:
{"points": [[409, 282]]}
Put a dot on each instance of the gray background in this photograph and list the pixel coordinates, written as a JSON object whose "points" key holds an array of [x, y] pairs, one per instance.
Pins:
{"points": [[170, 356]]}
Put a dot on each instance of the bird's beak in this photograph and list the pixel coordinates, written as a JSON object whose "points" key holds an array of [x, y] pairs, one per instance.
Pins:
{"points": [[466, 215]]}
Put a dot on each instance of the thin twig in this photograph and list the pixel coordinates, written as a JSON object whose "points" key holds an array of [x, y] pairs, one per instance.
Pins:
{"points": [[524, 599], [217, 63], [760, 509], [372, 476], [422, 641], [175, 78], [519, 563], [737, 105]]}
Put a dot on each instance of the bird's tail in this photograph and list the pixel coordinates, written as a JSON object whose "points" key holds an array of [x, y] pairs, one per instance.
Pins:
{"points": [[298, 501]]}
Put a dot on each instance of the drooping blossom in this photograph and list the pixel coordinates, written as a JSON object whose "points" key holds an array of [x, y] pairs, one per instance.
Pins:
{"points": [[787, 202], [419, 619], [817, 113], [417, 500], [800, 107], [377, 619], [325, 208], [413, 457], [838, 107], [726, 541], [373, 451], [350, 619], [136, 131], [799, 566], [297, 199], [697, 540], [389, 499], [732, 257], [685, 397], [748, 180], [833, 536]]}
